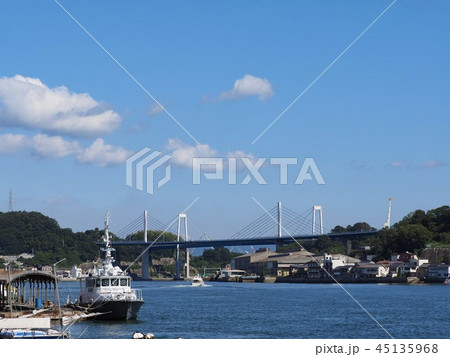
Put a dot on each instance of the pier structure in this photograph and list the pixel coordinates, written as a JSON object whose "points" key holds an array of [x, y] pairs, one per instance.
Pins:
{"points": [[27, 290]]}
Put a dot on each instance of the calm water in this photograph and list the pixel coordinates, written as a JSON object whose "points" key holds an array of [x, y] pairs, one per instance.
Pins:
{"points": [[237, 310]]}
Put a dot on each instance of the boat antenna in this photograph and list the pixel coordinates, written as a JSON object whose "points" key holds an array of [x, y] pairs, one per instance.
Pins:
{"points": [[106, 238]]}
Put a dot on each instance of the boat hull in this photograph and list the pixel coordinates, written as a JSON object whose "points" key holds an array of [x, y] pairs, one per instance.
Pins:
{"points": [[116, 310]]}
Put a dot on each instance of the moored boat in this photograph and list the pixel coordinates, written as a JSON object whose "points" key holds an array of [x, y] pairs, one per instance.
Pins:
{"points": [[30, 328], [107, 290]]}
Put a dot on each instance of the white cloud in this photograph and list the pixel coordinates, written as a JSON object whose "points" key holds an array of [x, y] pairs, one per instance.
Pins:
{"points": [[397, 164], [155, 109], [41, 145], [11, 143], [28, 103], [433, 163], [103, 155], [54, 146], [183, 153], [249, 86], [425, 165], [240, 154]]}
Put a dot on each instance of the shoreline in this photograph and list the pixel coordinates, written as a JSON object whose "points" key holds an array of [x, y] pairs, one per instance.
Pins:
{"points": [[292, 280]]}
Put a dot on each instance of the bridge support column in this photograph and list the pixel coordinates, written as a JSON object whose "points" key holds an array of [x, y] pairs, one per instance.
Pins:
{"points": [[145, 256], [187, 272], [145, 266], [317, 209], [349, 246], [177, 257], [177, 262], [279, 226]]}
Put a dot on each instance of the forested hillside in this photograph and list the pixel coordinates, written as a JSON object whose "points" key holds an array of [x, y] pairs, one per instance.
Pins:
{"points": [[34, 233]]}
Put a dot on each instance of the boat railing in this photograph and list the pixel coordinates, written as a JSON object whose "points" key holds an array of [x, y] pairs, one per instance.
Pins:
{"points": [[138, 293]]}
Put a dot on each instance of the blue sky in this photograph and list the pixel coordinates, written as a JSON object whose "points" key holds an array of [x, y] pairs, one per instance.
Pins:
{"points": [[376, 123]]}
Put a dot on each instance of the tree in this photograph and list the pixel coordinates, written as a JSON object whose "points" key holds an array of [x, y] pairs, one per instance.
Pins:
{"points": [[357, 227], [446, 259], [216, 257], [413, 237], [408, 237], [338, 229]]}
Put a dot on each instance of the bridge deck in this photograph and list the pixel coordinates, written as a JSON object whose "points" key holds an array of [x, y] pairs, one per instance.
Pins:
{"points": [[240, 242]]}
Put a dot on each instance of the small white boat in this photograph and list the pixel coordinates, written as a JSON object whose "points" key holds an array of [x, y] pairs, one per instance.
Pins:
{"points": [[197, 281], [32, 334], [31, 328]]}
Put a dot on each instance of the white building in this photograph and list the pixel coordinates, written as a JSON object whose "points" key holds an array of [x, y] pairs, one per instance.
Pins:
{"points": [[371, 270], [75, 272]]}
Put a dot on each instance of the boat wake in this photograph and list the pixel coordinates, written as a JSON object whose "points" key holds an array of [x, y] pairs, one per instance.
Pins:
{"points": [[191, 286]]}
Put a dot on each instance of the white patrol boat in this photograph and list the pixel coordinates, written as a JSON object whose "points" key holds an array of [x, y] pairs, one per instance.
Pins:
{"points": [[107, 290]]}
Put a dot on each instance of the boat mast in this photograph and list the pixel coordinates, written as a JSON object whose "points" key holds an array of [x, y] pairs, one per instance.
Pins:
{"points": [[108, 248]]}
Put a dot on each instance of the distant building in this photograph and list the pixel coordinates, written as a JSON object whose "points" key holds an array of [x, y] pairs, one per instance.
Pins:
{"points": [[422, 271], [248, 262], [438, 271], [14, 259], [231, 273], [314, 270], [297, 263], [270, 263], [282, 264], [332, 261], [343, 271], [76, 272], [370, 270]]}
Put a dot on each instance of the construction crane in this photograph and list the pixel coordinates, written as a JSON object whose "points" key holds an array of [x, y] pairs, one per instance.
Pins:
{"points": [[388, 222]]}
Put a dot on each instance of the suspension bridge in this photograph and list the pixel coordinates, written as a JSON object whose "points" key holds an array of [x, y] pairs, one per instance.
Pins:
{"points": [[278, 226]]}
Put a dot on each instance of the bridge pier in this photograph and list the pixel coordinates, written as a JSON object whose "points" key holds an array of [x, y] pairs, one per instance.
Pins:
{"points": [[187, 272], [145, 257], [145, 266], [177, 262], [177, 254], [349, 246], [279, 226]]}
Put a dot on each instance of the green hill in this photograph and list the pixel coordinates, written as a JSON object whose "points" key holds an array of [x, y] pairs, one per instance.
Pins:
{"points": [[34, 233]]}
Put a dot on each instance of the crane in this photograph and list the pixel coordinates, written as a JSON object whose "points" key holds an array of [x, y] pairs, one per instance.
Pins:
{"points": [[388, 222]]}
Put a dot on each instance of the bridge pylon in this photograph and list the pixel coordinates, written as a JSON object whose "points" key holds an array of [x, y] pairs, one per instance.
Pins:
{"points": [[177, 256], [317, 209], [279, 224], [145, 257]]}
